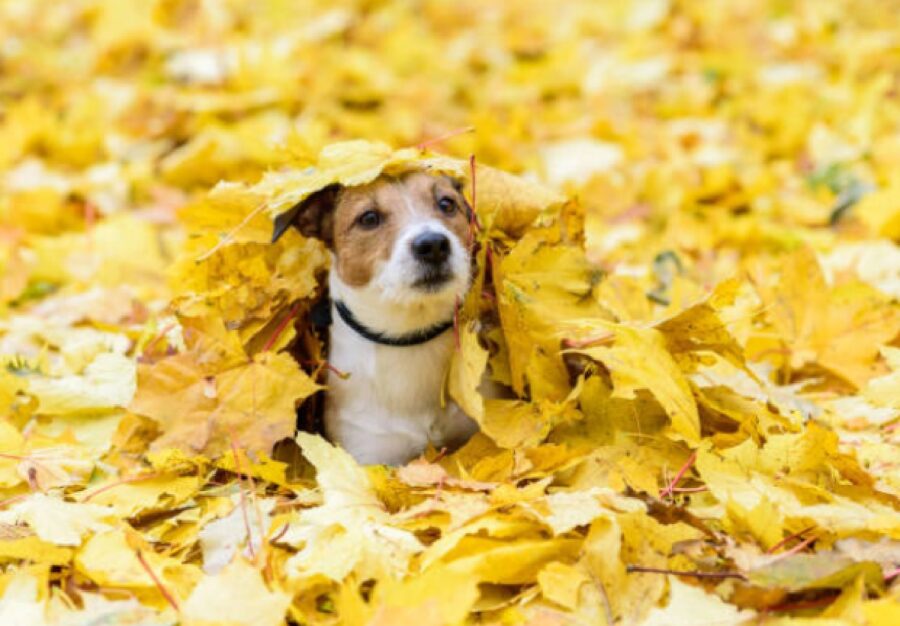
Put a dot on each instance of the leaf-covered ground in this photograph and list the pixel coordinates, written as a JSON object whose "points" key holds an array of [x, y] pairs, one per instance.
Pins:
{"points": [[691, 287]]}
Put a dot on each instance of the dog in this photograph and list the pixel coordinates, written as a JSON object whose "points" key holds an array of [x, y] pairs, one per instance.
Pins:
{"points": [[400, 264]]}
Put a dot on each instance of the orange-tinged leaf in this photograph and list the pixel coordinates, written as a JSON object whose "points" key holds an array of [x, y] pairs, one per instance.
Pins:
{"points": [[250, 405], [840, 327]]}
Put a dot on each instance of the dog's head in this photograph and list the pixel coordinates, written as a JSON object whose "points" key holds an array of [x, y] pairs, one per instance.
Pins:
{"points": [[401, 238]]}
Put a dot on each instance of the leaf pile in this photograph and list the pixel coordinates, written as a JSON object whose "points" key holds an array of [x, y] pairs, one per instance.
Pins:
{"points": [[688, 279]]}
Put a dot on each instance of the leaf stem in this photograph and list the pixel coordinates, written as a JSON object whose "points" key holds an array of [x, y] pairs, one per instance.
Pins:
{"points": [[657, 570], [441, 138], [122, 481], [229, 236], [281, 326], [798, 547], [784, 541], [156, 581], [241, 488], [669, 490]]}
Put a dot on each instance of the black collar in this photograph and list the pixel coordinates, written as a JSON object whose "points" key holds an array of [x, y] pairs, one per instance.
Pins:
{"points": [[423, 335]]}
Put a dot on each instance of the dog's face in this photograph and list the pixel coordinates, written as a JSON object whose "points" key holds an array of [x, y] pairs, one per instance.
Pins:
{"points": [[403, 237]]}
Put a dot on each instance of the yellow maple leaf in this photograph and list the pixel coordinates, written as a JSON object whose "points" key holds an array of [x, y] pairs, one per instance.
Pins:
{"points": [[638, 359], [350, 531], [885, 390], [542, 286], [561, 583], [57, 521], [507, 203], [21, 602], [108, 382], [250, 405], [108, 559], [689, 605], [880, 212], [237, 596], [465, 374], [840, 327], [436, 597]]}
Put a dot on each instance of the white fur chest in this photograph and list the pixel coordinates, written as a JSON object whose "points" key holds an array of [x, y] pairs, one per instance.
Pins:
{"points": [[389, 408]]}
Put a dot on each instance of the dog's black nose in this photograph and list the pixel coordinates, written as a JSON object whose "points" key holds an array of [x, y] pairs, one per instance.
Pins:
{"points": [[432, 248]]}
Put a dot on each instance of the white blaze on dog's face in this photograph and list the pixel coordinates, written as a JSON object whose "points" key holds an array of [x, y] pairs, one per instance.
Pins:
{"points": [[399, 245]]}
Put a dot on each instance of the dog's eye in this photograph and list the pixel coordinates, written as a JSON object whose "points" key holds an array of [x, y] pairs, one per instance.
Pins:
{"points": [[369, 220], [447, 205]]}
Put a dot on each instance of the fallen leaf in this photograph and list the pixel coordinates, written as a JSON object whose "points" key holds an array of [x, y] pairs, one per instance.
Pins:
{"points": [[639, 360], [236, 595], [57, 521], [251, 404], [691, 605], [108, 382]]}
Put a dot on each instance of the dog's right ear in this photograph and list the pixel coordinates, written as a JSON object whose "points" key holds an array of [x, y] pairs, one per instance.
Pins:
{"points": [[313, 216]]}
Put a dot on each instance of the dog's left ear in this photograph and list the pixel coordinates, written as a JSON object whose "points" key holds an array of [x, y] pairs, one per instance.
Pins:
{"points": [[312, 216]]}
